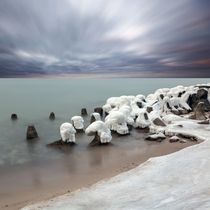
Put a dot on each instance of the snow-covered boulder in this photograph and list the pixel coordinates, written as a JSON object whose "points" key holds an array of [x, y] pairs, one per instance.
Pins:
{"points": [[116, 121], [142, 121], [78, 122], [95, 116], [101, 132], [126, 110], [174, 139], [156, 137], [67, 132]]}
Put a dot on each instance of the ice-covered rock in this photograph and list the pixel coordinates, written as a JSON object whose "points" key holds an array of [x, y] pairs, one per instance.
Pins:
{"points": [[156, 137], [199, 112], [126, 110], [116, 121], [174, 139], [78, 122], [100, 130], [142, 120], [95, 116], [67, 132], [158, 122]]}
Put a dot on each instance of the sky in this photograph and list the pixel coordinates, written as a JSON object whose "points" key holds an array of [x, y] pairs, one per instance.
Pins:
{"points": [[144, 38]]}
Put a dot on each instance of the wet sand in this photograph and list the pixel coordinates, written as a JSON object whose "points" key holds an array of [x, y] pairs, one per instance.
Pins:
{"points": [[79, 166]]}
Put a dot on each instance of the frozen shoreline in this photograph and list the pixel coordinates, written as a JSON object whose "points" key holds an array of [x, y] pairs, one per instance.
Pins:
{"points": [[176, 181]]}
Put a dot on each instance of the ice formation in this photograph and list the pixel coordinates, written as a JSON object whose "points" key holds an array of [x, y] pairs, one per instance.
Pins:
{"points": [[142, 120], [101, 129], [116, 121], [176, 181], [67, 132], [96, 115], [78, 122]]}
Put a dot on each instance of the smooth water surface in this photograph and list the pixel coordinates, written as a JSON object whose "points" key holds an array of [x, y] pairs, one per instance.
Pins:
{"points": [[34, 99]]}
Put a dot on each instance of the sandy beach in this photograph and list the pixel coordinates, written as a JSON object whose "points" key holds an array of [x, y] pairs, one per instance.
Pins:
{"points": [[24, 185]]}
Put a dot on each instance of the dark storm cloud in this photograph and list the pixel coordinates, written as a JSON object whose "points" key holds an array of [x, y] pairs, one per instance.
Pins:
{"points": [[152, 38]]}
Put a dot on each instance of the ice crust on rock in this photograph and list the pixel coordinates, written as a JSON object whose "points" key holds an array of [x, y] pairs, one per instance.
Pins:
{"points": [[101, 129], [67, 132], [96, 116], [116, 121], [142, 120], [78, 122]]}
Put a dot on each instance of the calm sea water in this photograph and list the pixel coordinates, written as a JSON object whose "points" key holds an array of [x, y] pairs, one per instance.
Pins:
{"points": [[34, 99]]}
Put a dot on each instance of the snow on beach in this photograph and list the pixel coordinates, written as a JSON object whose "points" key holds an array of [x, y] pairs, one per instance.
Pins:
{"points": [[176, 181]]}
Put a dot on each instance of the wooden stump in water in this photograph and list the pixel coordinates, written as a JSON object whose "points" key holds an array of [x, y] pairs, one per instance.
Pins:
{"points": [[83, 111], [52, 116], [31, 132], [14, 116]]}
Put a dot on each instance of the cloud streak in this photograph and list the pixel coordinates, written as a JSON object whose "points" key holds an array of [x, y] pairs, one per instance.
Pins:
{"points": [[86, 36]]}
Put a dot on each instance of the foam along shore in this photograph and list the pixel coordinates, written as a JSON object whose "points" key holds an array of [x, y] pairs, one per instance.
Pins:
{"points": [[176, 181]]}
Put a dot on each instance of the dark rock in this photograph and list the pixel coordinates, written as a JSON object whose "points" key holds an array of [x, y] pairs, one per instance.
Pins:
{"points": [[187, 136], [155, 137], [99, 110], [181, 93], [124, 134], [192, 100], [168, 106], [31, 132], [174, 139], [83, 111], [183, 111], [14, 116], [203, 86], [149, 109], [139, 104], [97, 142], [182, 141], [146, 116], [60, 143], [204, 122], [199, 113], [64, 147], [159, 122], [52, 116], [176, 112], [181, 126], [143, 130], [92, 119], [161, 96], [79, 130], [130, 127], [105, 114], [200, 96]]}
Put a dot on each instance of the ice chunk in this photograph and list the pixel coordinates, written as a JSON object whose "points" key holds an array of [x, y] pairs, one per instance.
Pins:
{"points": [[67, 132], [116, 121], [78, 122], [101, 129]]}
